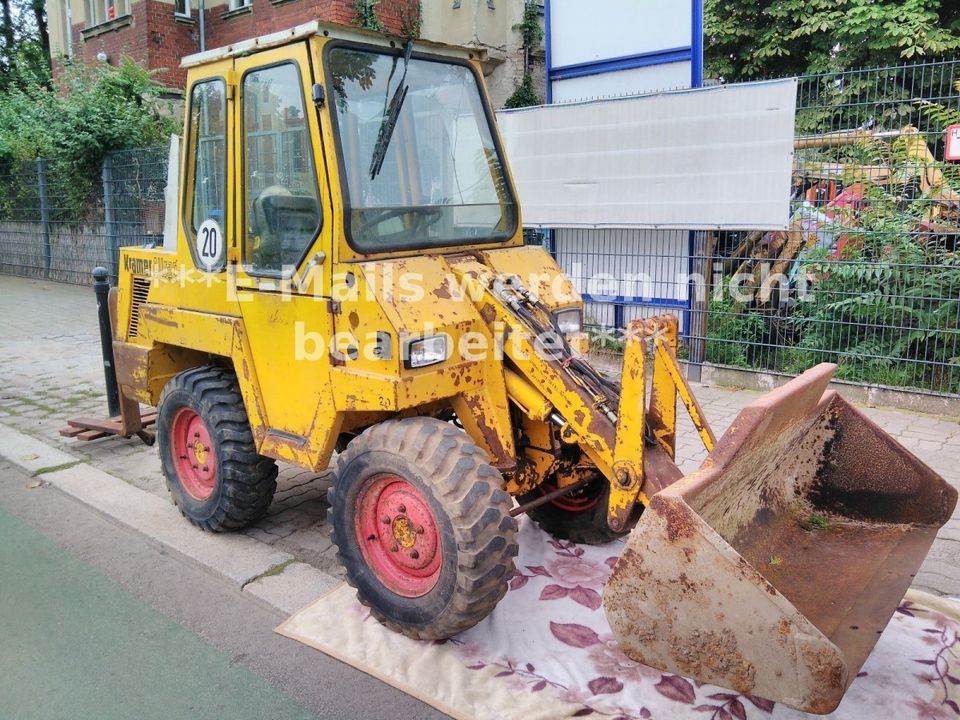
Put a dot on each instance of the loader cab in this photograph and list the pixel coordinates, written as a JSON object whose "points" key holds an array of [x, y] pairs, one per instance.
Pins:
{"points": [[329, 146], [255, 199]]}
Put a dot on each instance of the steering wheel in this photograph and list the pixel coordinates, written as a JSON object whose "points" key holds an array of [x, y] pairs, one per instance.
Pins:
{"points": [[425, 217]]}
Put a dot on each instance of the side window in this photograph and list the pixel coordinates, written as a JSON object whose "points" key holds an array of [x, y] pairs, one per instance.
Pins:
{"points": [[207, 136], [281, 195]]}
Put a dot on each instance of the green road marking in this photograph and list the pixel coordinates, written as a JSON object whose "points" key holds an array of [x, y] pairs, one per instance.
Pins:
{"points": [[74, 644]]}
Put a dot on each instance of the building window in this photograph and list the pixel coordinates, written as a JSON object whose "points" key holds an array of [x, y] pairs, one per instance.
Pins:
{"points": [[101, 11], [240, 4], [181, 8]]}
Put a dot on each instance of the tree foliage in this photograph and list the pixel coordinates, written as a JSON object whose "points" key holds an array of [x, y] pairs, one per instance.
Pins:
{"points": [[747, 39], [95, 111], [24, 44]]}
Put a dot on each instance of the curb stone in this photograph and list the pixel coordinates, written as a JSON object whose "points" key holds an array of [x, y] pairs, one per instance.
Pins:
{"points": [[237, 558]]}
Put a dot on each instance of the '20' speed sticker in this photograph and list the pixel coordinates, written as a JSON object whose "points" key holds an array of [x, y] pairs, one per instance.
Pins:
{"points": [[210, 244]]}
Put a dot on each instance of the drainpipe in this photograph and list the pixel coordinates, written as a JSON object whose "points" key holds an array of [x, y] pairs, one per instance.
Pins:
{"points": [[203, 34]]}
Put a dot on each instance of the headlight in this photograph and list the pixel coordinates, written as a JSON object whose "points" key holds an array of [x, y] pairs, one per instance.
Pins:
{"points": [[569, 322], [426, 351]]}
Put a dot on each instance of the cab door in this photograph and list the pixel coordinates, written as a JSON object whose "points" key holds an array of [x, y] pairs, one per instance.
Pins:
{"points": [[282, 252]]}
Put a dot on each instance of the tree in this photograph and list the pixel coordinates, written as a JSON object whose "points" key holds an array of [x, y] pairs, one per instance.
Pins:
{"points": [[747, 39], [24, 44]]}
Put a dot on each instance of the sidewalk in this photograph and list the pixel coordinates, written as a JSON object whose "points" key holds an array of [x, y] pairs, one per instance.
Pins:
{"points": [[51, 369]]}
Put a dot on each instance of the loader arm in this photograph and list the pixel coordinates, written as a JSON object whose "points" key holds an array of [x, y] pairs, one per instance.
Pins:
{"points": [[608, 421]]}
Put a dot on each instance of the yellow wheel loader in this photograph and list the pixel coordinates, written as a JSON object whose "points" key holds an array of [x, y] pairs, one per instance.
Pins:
{"points": [[348, 284]]}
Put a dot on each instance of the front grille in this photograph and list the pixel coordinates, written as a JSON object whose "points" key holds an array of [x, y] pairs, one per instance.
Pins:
{"points": [[141, 288]]}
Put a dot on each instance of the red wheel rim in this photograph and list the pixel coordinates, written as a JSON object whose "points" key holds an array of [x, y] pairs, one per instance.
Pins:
{"points": [[585, 499], [193, 455], [398, 536]]}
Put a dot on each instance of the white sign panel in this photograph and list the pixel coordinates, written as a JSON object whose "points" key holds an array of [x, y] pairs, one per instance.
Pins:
{"points": [[583, 32], [709, 158]]}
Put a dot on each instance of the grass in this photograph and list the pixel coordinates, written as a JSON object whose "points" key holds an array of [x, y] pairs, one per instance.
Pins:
{"points": [[277, 569], [55, 468], [814, 522]]}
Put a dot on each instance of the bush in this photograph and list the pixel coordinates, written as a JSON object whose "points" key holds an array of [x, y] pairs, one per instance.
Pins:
{"points": [[96, 111], [524, 95], [732, 333]]}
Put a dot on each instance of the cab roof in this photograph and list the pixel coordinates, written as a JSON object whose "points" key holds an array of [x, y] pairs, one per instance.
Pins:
{"points": [[327, 30]]}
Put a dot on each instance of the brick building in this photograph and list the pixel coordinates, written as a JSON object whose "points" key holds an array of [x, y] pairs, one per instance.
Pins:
{"points": [[158, 33]]}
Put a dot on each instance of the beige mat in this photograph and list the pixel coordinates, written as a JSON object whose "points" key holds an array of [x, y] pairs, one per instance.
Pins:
{"points": [[547, 652]]}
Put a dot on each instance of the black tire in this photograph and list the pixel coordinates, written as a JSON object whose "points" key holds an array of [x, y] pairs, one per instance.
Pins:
{"points": [[584, 527], [471, 512], [244, 481]]}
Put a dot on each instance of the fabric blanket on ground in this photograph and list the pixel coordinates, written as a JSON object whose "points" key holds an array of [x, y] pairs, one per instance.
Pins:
{"points": [[547, 652]]}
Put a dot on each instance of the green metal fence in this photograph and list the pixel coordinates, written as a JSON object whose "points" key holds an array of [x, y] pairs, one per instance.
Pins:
{"points": [[868, 274]]}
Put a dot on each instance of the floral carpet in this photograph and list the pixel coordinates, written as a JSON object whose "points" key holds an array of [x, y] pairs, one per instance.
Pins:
{"points": [[547, 652]]}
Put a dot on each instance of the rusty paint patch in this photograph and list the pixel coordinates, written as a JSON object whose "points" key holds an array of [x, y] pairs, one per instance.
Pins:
{"points": [[630, 566], [829, 678], [155, 317], [676, 515], [705, 653], [784, 630]]}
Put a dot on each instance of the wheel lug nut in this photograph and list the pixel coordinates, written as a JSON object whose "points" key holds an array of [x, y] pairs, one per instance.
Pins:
{"points": [[419, 530], [414, 555], [386, 519], [402, 508], [196, 467], [371, 538], [196, 435], [206, 469], [394, 548]]}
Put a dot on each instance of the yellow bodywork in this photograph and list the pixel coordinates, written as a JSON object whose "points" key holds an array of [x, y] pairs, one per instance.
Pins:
{"points": [[491, 338], [515, 404]]}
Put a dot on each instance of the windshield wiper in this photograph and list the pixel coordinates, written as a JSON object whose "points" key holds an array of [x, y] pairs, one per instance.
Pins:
{"points": [[391, 114]]}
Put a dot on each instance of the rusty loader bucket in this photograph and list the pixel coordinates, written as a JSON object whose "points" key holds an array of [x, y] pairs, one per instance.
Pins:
{"points": [[774, 568]]}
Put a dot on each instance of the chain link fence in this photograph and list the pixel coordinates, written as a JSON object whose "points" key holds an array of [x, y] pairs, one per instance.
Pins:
{"points": [[56, 226]]}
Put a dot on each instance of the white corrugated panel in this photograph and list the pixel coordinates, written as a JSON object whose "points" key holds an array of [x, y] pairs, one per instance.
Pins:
{"points": [[717, 157]]}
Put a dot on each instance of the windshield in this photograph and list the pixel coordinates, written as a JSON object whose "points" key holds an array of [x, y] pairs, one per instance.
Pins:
{"points": [[422, 169]]}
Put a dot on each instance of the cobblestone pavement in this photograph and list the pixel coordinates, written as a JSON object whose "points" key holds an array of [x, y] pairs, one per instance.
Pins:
{"points": [[50, 365]]}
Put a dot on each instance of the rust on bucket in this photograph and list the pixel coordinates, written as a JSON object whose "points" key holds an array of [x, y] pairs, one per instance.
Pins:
{"points": [[774, 568]]}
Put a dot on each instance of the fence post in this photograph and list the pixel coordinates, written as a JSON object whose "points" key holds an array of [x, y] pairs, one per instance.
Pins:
{"points": [[701, 248], [109, 216], [44, 214]]}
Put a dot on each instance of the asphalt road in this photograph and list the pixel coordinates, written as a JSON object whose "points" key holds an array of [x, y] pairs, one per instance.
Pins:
{"points": [[98, 622]]}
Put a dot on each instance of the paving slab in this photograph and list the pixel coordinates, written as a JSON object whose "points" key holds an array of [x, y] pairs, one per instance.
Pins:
{"points": [[236, 557], [31, 454], [293, 587]]}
